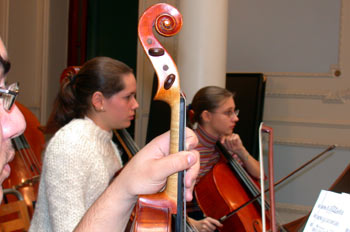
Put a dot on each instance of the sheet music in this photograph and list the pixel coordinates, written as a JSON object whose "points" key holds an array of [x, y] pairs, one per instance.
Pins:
{"points": [[330, 213]]}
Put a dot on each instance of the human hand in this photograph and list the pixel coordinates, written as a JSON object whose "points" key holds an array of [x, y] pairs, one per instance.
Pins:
{"points": [[233, 143], [207, 224], [149, 168], [145, 173]]}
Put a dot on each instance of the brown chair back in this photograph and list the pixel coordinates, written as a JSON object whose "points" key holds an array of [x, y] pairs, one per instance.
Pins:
{"points": [[14, 215]]}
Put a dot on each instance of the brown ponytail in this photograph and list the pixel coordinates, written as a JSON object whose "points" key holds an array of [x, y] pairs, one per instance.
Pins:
{"points": [[101, 74]]}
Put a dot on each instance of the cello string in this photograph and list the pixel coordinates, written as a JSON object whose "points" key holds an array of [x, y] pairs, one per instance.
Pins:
{"points": [[248, 180], [121, 137], [129, 141], [17, 143], [31, 156], [28, 154], [23, 151], [239, 170]]}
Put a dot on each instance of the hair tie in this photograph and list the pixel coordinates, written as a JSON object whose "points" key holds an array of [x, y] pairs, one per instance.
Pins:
{"points": [[72, 79], [189, 107], [191, 116], [190, 113]]}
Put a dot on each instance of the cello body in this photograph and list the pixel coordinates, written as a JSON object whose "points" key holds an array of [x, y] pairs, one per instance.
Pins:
{"points": [[220, 192], [225, 189]]}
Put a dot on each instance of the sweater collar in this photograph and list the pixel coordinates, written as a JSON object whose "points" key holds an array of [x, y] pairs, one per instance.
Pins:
{"points": [[106, 135]]}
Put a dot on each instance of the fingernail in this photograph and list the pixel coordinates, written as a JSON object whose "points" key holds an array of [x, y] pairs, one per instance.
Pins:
{"points": [[189, 158]]}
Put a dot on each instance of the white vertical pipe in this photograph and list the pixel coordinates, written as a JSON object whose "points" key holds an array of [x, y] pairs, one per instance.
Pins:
{"points": [[202, 44]]}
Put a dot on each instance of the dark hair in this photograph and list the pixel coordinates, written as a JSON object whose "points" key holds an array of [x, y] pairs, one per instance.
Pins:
{"points": [[208, 98], [101, 74]]}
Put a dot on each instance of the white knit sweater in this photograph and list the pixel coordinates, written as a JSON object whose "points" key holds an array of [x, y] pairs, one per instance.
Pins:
{"points": [[79, 162]]}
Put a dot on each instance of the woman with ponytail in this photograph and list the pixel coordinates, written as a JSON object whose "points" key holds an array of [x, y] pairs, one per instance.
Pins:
{"points": [[81, 159]]}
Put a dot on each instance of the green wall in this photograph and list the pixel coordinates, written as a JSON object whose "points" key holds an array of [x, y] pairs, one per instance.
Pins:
{"points": [[112, 30]]}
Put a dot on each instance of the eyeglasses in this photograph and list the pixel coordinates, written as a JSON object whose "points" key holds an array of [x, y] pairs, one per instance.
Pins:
{"points": [[230, 113], [6, 64], [9, 95]]}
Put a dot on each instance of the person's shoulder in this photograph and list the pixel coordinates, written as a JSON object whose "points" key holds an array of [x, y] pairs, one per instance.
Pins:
{"points": [[73, 138], [78, 123], [78, 126], [73, 132]]}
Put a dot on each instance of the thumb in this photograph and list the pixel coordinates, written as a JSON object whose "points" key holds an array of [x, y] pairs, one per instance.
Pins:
{"points": [[175, 163]]}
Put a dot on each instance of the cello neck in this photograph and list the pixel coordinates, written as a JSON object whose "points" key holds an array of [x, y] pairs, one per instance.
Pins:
{"points": [[172, 182], [128, 144]]}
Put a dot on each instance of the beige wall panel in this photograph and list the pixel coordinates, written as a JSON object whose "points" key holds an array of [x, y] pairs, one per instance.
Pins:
{"points": [[25, 50], [307, 110], [4, 11], [57, 52], [36, 32]]}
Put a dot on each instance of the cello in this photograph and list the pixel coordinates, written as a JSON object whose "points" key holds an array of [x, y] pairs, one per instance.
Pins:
{"points": [[240, 214], [155, 212], [227, 187], [26, 164]]}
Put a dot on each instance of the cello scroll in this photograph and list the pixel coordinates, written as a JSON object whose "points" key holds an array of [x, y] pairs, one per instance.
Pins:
{"points": [[167, 21]]}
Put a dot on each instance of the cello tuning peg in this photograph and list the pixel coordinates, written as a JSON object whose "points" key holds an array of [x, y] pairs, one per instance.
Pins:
{"points": [[156, 51]]}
